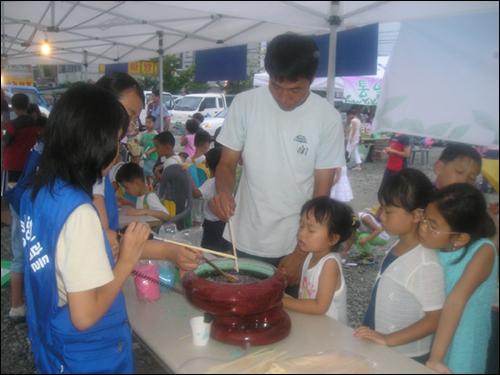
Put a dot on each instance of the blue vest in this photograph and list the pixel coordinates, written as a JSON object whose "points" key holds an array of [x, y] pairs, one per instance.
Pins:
{"points": [[110, 204], [57, 345]]}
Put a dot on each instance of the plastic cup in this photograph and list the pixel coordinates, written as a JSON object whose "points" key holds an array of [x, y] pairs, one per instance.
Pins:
{"points": [[200, 331]]}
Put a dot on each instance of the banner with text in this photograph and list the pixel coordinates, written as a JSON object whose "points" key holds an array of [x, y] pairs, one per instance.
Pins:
{"points": [[362, 90]]}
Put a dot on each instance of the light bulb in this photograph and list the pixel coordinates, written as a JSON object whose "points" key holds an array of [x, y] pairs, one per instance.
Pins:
{"points": [[46, 47]]}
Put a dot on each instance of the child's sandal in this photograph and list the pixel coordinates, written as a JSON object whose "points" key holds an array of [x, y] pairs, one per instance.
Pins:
{"points": [[368, 261]]}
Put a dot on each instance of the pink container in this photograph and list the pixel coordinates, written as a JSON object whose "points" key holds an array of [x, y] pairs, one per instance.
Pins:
{"points": [[147, 290]]}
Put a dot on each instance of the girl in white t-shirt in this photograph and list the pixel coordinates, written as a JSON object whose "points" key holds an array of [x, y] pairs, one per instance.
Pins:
{"points": [[409, 290], [325, 223]]}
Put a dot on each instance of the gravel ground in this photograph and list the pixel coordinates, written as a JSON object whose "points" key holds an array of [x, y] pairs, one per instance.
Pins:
{"points": [[17, 357]]}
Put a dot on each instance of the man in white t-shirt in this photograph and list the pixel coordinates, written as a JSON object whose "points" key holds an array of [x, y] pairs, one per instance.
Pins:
{"points": [[291, 142]]}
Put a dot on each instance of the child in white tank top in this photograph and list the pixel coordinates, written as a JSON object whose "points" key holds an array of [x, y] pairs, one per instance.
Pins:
{"points": [[325, 223]]}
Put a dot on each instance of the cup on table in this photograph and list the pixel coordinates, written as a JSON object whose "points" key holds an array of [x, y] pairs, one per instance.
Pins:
{"points": [[200, 330]]}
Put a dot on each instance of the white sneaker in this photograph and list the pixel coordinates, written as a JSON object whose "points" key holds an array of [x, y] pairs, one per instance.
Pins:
{"points": [[18, 314]]}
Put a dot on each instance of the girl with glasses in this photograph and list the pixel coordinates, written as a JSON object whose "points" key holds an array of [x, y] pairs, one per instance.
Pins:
{"points": [[456, 222]]}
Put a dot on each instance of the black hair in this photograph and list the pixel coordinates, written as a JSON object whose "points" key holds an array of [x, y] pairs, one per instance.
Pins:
{"points": [[290, 57], [151, 118], [129, 172], [192, 126], [333, 214], [460, 150], [352, 111], [119, 83], [199, 117], [156, 92], [5, 105], [81, 138], [409, 189], [41, 122], [213, 158], [33, 108], [165, 138], [355, 221], [20, 101], [464, 209], [201, 138]]}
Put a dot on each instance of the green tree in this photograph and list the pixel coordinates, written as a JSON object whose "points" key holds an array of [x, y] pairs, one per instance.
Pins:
{"points": [[192, 86]]}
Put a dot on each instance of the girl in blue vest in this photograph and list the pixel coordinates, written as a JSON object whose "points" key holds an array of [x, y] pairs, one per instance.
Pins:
{"points": [[76, 314]]}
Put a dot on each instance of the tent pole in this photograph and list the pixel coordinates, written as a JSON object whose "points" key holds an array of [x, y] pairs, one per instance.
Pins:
{"points": [[160, 52], [332, 52], [85, 64]]}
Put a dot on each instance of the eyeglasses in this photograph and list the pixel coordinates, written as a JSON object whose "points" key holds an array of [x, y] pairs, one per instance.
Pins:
{"points": [[429, 227]]}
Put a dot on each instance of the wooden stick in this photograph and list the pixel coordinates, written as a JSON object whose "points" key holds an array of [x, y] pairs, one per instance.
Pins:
{"points": [[199, 248], [234, 246], [246, 358]]}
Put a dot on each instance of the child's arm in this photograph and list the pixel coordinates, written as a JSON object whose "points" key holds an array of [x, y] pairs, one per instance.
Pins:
{"points": [[134, 132], [149, 152], [154, 208], [418, 330], [427, 325], [477, 271], [184, 140], [87, 307], [158, 172], [184, 258], [367, 220], [196, 192], [348, 244], [163, 216], [122, 201], [326, 290], [404, 154]]}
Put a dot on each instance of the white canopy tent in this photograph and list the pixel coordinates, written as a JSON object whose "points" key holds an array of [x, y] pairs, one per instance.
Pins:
{"points": [[111, 31], [442, 80], [87, 32]]}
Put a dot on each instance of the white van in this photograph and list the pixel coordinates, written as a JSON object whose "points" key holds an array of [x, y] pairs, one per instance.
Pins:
{"points": [[209, 105], [167, 99]]}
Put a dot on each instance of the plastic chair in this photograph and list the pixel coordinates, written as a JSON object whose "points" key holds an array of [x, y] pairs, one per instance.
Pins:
{"points": [[416, 147], [176, 186]]}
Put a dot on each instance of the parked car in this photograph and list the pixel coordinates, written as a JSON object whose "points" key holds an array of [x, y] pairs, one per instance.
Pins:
{"points": [[209, 105], [211, 124], [34, 96], [168, 100]]}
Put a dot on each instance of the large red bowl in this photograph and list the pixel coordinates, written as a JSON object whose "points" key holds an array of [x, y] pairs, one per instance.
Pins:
{"points": [[250, 312]]}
